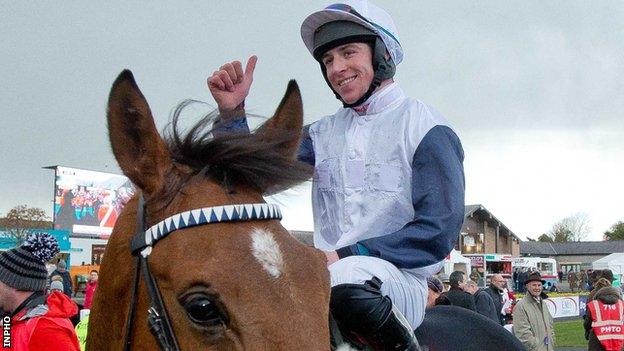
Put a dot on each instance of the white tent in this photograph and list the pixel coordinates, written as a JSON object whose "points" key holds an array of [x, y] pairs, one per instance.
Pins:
{"points": [[614, 262], [456, 262]]}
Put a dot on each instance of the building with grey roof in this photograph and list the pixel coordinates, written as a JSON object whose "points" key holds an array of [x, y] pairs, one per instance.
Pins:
{"points": [[575, 255]]}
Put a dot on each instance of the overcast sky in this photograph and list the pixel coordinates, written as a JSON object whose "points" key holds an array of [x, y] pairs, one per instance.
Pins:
{"points": [[534, 89]]}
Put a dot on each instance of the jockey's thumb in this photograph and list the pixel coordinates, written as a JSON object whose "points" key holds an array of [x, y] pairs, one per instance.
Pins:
{"points": [[251, 66]]}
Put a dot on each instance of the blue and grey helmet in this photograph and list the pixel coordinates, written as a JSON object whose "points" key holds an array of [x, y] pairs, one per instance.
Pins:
{"points": [[355, 21]]}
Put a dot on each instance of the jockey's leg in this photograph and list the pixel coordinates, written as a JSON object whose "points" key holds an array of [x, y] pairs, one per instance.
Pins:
{"points": [[384, 314]]}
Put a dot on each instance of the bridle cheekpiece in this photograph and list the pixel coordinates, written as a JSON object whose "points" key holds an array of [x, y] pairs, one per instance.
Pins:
{"points": [[141, 247]]}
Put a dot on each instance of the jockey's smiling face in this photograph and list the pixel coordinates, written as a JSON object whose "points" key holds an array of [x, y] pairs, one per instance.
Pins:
{"points": [[349, 70]]}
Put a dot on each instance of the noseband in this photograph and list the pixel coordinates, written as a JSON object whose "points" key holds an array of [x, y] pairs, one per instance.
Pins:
{"points": [[143, 241]]}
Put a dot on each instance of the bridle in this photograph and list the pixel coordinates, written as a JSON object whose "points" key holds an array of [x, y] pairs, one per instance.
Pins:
{"points": [[141, 247]]}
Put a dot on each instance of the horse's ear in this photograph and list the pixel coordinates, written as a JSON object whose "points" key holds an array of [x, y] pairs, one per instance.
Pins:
{"points": [[140, 151], [288, 118]]}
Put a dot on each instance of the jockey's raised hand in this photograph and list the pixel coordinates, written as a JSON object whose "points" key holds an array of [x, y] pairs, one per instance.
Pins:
{"points": [[229, 85]]}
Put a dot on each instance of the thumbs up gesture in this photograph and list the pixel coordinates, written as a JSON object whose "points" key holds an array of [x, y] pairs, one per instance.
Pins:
{"points": [[229, 85]]}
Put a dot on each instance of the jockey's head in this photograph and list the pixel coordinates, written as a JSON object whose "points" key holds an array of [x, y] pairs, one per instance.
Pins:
{"points": [[357, 46]]}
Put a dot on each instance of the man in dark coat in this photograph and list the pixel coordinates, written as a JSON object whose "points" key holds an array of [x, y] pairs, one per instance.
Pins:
{"points": [[63, 273], [483, 301], [582, 280], [522, 277], [456, 294], [572, 280], [495, 290]]}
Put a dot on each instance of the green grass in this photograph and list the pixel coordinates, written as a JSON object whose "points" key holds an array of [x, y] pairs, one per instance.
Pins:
{"points": [[570, 333]]}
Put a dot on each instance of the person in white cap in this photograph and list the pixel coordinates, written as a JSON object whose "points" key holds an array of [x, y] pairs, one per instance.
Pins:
{"points": [[56, 286], [388, 187]]}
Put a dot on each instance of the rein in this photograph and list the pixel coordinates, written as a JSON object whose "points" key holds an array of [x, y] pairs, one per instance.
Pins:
{"points": [[141, 247]]}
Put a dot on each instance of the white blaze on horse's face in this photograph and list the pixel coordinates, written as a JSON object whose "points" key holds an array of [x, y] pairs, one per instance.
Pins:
{"points": [[266, 250]]}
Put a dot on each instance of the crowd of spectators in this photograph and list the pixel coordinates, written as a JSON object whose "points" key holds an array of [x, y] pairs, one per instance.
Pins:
{"points": [[529, 318]]}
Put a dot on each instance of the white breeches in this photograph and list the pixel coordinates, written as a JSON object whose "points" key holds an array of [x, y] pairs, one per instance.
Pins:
{"points": [[406, 288]]}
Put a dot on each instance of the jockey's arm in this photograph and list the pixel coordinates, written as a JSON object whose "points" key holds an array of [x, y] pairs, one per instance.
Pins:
{"points": [[236, 122]]}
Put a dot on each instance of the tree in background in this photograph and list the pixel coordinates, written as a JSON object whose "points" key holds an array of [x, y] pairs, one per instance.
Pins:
{"points": [[572, 228], [616, 232], [545, 238], [560, 233], [21, 220]]}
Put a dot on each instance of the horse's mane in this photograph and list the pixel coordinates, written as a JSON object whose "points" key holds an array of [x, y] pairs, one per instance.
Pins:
{"points": [[235, 158]]}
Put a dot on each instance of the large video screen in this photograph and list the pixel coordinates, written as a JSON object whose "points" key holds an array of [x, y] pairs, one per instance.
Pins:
{"points": [[87, 203]]}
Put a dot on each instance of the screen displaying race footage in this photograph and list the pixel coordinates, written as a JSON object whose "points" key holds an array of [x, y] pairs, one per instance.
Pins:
{"points": [[87, 203]]}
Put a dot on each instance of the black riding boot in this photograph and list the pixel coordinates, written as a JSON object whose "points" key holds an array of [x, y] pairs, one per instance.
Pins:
{"points": [[362, 311], [394, 334]]}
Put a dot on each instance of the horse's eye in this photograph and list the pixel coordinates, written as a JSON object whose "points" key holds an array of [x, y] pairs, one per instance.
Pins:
{"points": [[202, 310]]}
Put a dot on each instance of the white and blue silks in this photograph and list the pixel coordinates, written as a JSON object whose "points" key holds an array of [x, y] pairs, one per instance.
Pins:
{"points": [[388, 186]]}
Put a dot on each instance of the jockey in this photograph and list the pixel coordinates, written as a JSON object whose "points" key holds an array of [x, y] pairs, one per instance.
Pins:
{"points": [[388, 187]]}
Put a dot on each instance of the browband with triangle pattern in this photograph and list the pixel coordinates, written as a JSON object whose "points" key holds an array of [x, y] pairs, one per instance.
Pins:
{"points": [[206, 215]]}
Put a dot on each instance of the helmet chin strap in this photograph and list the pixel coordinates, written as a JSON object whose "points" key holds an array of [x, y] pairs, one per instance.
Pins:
{"points": [[382, 68], [360, 101]]}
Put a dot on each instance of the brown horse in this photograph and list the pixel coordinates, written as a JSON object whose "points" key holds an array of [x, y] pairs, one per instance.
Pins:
{"points": [[244, 285]]}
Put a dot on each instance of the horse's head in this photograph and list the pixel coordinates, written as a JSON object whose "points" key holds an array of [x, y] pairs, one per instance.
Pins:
{"points": [[227, 285]]}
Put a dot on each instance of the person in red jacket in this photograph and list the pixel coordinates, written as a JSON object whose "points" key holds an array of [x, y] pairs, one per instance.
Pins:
{"points": [[91, 286], [35, 321], [603, 323]]}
